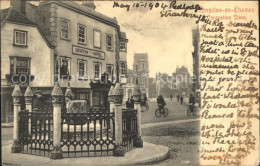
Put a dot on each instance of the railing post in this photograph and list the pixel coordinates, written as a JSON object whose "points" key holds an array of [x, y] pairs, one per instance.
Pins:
{"points": [[110, 99], [68, 96], [138, 142], [28, 95], [117, 99], [91, 98], [111, 108], [56, 95], [17, 95]]}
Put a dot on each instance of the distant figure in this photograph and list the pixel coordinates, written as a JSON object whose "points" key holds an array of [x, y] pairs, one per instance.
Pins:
{"points": [[191, 99], [161, 103], [178, 97], [181, 99], [128, 104], [145, 98], [171, 97], [132, 102]]}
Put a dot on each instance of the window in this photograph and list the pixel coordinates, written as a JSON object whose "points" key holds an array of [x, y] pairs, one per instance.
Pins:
{"points": [[19, 65], [65, 29], [97, 38], [20, 38], [82, 34], [65, 67], [97, 70], [122, 46], [109, 42], [123, 68], [82, 68], [110, 68]]}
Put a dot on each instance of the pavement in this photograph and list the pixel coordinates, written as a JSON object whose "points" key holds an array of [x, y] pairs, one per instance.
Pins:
{"points": [[147, 155]]}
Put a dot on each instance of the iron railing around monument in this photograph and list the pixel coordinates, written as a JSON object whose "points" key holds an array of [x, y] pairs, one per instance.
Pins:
{"points": [[36, 138], [88, 134], [129, 122]]}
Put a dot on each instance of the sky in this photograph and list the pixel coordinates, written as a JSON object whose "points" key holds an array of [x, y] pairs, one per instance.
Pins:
{"points": [[168, 41]]}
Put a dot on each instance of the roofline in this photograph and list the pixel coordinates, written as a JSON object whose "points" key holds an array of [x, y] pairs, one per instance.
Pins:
{"points": [[87, 14], [33, 25], [82, 12], [7, 15], [43, 36]]}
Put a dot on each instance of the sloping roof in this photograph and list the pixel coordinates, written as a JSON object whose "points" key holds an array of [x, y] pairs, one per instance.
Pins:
{"points": [[86, 10], [3, 14], [14, 16]]}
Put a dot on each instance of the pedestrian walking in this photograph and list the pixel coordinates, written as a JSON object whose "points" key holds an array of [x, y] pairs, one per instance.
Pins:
{"points": [[128, 104], [171, 97], [181, 99], [178, 97], [132, 102]]}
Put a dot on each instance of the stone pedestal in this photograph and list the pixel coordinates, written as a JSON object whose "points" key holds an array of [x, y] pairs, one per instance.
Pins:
{"points": [[57, 95], [28, 95], [17, 95], [138, 142], [116, 97]]}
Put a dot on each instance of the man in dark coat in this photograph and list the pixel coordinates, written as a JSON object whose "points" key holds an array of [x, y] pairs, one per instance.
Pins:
{"points": [[132, 102], [128, 104], [181, 99], [161, 103]]}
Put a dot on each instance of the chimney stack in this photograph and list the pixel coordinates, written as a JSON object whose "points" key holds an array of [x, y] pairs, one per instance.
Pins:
{"points": [[19, 5], [89, 4]]}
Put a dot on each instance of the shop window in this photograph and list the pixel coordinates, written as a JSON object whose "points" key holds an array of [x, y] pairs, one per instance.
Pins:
{"points": [[82, 34], [20, 38]]}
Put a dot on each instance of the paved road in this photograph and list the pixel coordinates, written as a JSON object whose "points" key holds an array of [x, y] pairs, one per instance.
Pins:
{"points": [[176, 112], [182, 140]]}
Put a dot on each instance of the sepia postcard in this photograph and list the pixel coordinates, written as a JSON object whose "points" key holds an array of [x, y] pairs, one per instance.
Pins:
{"points": [[165, 83]]}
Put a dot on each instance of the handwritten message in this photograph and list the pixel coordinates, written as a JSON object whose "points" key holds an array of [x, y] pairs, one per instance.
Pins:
{"points": [[229, 76]]}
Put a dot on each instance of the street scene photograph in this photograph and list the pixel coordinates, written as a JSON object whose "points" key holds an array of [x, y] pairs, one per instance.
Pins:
{"points": [[99, 83]]}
